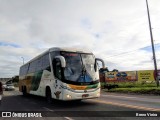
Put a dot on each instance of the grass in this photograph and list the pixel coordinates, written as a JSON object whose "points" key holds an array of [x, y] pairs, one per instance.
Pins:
{"points": [[136, 84], [144, 90], [134, 87]]}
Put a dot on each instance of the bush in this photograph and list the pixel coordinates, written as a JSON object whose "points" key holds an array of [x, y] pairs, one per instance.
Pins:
{"points": [[132, 87], [15, 84], [145, 90], [103, 84], [131, 84]]}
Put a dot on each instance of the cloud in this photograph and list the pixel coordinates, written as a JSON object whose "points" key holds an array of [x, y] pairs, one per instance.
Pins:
{"points": [[9, 44], [148, 48], [116, 31]]}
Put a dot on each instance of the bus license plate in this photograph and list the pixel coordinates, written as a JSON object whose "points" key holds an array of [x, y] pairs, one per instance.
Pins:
{"points": [[85, 95]]}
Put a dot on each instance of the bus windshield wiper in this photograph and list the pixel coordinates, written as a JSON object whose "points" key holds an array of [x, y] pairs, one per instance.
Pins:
{"points": [[83, 70]]}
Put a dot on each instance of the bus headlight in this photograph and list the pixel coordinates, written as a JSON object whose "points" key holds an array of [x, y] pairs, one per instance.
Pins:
{"points": [[98, 94], [69, 96]]}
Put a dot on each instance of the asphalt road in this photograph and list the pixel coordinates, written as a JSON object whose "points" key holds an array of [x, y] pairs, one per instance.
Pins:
{"points": [[112, 106]]}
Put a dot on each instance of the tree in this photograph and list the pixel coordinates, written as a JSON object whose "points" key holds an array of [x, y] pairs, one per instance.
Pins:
{"points": [[114, 70], [103, 70], [15, 79]]}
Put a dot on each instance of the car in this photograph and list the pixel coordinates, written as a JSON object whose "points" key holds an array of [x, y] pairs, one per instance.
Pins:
{"points": [[4, 86], [7, 87]]}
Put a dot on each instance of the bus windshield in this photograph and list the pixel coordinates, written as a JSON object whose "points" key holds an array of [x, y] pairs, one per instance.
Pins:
{"points": [[79, 67]]}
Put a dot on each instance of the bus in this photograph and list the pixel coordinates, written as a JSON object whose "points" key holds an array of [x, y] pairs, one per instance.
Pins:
{"points": [[61, 73]]}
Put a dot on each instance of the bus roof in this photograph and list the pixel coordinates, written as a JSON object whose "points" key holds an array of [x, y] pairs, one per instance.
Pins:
{"points": [[67, 49], [78, 50]]}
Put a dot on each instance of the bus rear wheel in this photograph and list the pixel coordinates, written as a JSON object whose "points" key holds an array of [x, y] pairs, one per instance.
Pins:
{"points": [[24, 91]]}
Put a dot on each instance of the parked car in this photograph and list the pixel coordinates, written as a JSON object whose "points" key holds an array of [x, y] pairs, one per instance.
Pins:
{"points": [[8, 87], [4, 86]]}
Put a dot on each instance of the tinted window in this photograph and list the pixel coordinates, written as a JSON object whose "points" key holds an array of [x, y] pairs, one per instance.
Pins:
{"points": [[32, 67], [24, 69], [39, 64], [45, 61]]}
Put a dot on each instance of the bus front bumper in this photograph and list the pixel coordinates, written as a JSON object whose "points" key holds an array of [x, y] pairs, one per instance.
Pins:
{"points": [[81, 94]]}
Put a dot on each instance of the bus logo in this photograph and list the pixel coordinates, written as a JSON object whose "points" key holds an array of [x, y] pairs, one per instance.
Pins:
{"points": [[85, 91]]}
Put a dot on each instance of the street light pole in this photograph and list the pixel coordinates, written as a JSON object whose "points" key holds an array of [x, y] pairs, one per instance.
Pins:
{"points": [[153, 50], [23, 60]]}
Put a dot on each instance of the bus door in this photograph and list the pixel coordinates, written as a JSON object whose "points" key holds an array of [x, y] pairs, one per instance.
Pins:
{"points": [[58, 77]]}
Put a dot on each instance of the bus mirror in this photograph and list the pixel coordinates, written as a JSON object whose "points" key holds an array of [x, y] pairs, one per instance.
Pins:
{"points": [[95, 65], [63, 61], [98, 59]]}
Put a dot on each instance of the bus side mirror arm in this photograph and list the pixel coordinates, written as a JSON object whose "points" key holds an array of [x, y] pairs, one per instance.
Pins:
{"points": [[98, 59]]}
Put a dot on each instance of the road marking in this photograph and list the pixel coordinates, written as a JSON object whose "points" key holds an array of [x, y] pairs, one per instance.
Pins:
{"points": [[68, 118], [126, 105], [48, 109], [119, 96]]}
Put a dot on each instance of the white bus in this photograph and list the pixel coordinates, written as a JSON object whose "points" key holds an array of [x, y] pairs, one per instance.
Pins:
{"points": [[61, 73]]}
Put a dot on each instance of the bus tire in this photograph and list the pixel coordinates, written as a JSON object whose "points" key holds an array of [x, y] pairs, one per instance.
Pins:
{"points": [[24, 90], [78, 100], [48, 95]]}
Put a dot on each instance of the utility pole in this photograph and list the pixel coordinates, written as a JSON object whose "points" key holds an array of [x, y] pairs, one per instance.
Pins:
{"points": [[23, 60], [153, 50]]}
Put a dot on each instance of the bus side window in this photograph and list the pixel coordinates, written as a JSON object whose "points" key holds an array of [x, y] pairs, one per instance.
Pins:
{"points": [[57, 68]]}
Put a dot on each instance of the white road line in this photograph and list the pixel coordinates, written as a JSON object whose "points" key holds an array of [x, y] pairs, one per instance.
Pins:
{"points": [[68, 118], [48, 109]]}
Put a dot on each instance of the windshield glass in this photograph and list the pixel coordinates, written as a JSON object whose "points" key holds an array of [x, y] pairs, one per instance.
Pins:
{"points": [[79, 67], [89, 62]]}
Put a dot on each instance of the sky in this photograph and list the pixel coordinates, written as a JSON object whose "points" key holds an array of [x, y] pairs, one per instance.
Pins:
{"points": [[116, 31]]}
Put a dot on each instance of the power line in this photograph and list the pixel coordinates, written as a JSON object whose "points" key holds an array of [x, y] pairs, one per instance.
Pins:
{"points": [[124, 53]]}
